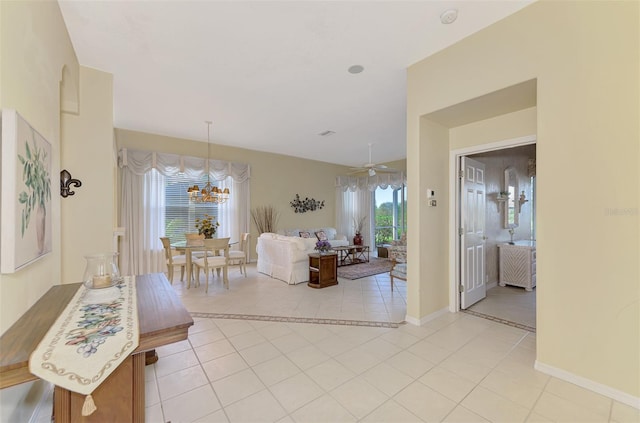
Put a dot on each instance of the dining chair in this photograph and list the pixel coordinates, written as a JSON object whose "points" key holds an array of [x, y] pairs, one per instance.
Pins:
{"points": [[195, 239], [173, 260], [213, 246], [241, 255]]}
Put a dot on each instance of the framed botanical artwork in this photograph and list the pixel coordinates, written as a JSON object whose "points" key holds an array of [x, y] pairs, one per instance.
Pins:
{"points": [[25, 230]]}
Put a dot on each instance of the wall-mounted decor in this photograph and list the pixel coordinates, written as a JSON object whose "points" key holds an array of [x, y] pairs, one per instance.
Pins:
{"points": [[308, 204], [26, 194], [65, 183]]}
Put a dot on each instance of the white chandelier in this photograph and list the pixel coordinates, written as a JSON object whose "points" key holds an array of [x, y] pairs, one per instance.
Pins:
{"points": [[210, 193]]}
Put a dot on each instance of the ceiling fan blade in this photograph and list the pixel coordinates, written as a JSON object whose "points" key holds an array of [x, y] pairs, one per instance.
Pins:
{"points": [[386, 170]]}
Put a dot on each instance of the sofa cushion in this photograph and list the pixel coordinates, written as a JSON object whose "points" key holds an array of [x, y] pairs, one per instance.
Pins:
{"points": [[309, 244], [330, 232], [322, 236], [298, 242]]}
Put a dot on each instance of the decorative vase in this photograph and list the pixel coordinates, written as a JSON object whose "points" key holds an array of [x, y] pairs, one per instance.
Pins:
{"points": [[101, 271], [41, 215], [357, 239]]}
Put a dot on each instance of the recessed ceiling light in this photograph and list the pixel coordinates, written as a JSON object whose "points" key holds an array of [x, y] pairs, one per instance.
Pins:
{"points": [[356, 69], [449, 16]]}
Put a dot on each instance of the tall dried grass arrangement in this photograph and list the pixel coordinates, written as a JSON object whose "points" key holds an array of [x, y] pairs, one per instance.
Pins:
{"points": [[265, 218]]}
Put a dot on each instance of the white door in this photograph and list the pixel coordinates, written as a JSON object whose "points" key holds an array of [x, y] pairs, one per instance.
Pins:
{"points": [[472, 238]]}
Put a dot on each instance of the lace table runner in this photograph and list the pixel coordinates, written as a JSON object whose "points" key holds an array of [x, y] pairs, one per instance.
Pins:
{"points": [[96, 332]]}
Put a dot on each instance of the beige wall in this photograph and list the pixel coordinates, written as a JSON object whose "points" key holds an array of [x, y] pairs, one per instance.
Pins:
{"points": [[275, 178], [585, 57], [509, 126], [88, 217], [35, 52], [35, 48]]}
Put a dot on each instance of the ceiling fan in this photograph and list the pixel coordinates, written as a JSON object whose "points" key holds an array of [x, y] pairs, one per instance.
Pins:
{"points": [[371, 168]]}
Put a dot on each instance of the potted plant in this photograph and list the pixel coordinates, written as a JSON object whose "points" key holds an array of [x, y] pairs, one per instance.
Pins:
{"points": [[358, 226], [265, 218], [207, 226], [36, 177], [503, 196]]}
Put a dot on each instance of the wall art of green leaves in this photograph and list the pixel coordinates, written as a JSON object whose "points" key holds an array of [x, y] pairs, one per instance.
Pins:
{"points": [[36, 177]]}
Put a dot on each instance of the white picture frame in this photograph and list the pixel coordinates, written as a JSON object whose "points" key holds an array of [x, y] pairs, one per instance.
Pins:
{"points": [[25, 218]]}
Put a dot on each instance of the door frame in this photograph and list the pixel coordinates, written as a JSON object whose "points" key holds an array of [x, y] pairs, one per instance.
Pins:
{"points": [[454, 206]]}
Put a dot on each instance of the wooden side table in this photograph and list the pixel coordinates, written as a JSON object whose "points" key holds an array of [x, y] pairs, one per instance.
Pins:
{"points": [[323, 270]]}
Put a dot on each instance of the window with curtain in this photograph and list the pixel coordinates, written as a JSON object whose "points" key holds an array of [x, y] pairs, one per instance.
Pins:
{"points": [[355, 197], [155, 203], [180, 213]]}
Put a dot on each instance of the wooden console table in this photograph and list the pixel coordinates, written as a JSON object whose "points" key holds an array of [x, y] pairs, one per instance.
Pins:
{"points": [[162, 320], [323, 270]]}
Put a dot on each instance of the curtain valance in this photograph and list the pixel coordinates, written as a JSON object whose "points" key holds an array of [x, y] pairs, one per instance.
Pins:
{"points": [[140, 162], [381, 180]]}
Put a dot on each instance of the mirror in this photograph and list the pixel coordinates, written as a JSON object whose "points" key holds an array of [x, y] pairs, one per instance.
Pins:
{"points": [[510, 206]]}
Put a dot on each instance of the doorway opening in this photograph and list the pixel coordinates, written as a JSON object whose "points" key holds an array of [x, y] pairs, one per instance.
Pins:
{"points": [[494, 201]]}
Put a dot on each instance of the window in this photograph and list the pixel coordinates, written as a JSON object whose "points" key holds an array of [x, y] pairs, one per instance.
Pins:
{"points": [[390, 214], [181, 214]]}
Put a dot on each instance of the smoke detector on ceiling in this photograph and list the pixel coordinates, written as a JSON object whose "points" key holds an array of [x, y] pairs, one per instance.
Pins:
{"points": [[449, 16]]}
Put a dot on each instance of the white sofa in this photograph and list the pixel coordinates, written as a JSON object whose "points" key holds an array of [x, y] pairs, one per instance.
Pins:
{"points": [[286, 257]]}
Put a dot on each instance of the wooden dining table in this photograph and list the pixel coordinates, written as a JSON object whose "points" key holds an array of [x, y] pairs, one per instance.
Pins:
{"points": [[188, 250]]}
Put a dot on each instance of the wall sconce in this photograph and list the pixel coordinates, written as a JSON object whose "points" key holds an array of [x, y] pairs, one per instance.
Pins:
{"points": [[521, 201], [65, 183]]}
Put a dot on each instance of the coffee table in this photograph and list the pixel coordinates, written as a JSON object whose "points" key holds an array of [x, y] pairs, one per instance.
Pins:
{"points": [[352, 254]]}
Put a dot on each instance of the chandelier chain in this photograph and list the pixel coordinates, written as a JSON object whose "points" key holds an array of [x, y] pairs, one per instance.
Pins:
{"points": [[210, 193]]}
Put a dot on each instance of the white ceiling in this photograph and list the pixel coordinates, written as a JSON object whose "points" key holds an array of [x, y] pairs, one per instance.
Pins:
{"points": [[271, 75]]}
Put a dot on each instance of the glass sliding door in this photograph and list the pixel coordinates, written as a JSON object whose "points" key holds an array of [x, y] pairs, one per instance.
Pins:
{"points": [[390, 214]]}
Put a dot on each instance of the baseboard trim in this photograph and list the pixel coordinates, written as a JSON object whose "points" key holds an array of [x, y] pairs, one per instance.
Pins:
{"points": [[589, 384], [44, 408], [427, 318]]}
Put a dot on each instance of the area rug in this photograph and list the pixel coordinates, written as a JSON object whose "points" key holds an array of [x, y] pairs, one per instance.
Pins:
{"points": [[356, 271]]}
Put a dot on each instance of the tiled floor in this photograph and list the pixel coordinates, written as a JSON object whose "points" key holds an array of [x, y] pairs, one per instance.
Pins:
{"points": [[509, 303], [458, 368], [368, 298]]}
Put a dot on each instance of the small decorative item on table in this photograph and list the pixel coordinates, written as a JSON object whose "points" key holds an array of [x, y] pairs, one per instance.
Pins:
{"points": [[101, 275], [358, 227], [323, 247]]}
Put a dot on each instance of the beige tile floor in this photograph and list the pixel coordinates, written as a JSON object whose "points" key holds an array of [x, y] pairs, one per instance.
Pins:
{"points": [[458, 368], [368, 298], [510, 303]]}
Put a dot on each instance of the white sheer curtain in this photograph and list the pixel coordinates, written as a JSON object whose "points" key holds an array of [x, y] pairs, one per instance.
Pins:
{"points": [[354, 199], [142, 211], [234, 215]]}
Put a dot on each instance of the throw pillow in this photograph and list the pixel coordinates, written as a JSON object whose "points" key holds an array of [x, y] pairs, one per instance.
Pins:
{"points": [[305, 235], [321, 236]]}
